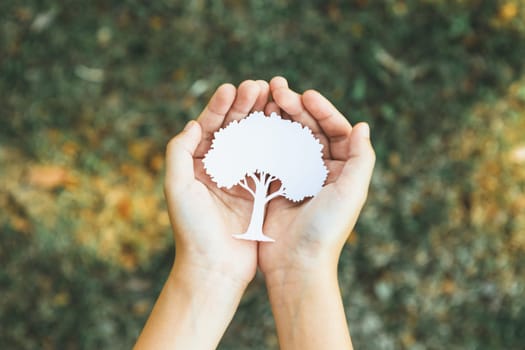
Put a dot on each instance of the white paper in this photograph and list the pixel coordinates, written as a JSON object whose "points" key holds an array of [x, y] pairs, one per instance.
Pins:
{"points": [[265, 149]]}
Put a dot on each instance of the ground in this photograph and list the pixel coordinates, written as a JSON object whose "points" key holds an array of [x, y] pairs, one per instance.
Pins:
{"points": [[90, 95]]}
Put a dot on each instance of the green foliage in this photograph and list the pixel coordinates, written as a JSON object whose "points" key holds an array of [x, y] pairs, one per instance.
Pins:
{"points": [[431, 77]]}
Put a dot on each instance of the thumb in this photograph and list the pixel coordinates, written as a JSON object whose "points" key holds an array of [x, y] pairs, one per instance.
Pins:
{"points": [[357, 171], [179, 156]]}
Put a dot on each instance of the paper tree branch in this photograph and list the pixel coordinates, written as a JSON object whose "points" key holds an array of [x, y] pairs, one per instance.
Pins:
{"points": [[266, 149]]}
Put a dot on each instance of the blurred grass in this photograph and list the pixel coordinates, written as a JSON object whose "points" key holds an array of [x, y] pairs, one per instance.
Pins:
{"points": [[90, 94]]}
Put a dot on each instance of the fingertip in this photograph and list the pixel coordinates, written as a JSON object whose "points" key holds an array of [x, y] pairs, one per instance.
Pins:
{"points": [[226, 91], [311, 93], [264, 91], [190, 125], [359, 166], [278, 82], [222, 99], [287, 100], [363, 130], [249, 84], [180, 151], [263, 84], [249, 89], [312, 98], [360, 141], [188, 139], [226, 87]]}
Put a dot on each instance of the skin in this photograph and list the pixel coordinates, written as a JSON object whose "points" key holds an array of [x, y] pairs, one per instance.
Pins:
{"points": [[212, 270], [301, 266]]}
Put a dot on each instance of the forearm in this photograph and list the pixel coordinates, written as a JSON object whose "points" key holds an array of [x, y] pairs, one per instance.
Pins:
{"points": [[308, 310], [192, 312]]}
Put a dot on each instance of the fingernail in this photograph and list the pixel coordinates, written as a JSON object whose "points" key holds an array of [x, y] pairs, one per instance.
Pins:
{"points": [[190, 125], [364, 130]]}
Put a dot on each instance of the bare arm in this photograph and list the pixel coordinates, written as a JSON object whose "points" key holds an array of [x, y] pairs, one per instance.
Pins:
{"points": [[308, 310], [211, 269], [192, 311], [301, 266]]}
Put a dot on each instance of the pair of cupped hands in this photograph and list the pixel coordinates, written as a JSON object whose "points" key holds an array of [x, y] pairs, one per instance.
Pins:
{"points": [[309, 235]]}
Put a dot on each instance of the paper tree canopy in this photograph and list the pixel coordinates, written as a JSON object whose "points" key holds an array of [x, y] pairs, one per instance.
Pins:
{"points": [[265, 149], [272, 145]]}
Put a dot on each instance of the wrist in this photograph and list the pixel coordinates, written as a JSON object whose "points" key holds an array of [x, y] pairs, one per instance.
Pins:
{"points": [[287, 281], [199, 277], [181, 317], [308, 309], [300, 268]]}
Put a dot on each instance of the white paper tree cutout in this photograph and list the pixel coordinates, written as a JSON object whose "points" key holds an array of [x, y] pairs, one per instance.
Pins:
{"points": [[266, 149]]}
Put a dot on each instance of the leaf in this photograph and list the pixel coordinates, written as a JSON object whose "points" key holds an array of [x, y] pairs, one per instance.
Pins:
{"points": [[49, 177], [124, 207]]}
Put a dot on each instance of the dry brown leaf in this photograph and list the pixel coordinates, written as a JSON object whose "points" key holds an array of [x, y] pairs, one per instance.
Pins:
{"points": [[156, 163], [49, 177], [124, 207]]}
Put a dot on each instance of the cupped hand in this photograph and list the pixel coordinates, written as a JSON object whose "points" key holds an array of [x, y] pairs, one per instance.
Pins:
{"points": [[309, 235], [203, 216]]}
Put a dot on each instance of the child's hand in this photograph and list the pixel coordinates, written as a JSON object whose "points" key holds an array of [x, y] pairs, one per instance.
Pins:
{"points": [[301, 266], [203, 216], [310, 235], [211, 268]]}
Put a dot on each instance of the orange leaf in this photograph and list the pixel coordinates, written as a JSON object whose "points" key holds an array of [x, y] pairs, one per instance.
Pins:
{"points": [[124, 207], [157, 162], [48, 177]]}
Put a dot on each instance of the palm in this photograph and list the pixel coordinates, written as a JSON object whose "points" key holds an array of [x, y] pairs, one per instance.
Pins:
{"points": [[208, 218], [298, 225], [205, 217], [304, 230]]}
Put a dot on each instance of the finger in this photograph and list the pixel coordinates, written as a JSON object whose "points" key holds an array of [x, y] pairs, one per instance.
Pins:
{"points": [[278, 82], [264, 93], [331, 121], [179, 157], [213, 115], [247, 95], [291, 103], [272, 107], [357, 171]]}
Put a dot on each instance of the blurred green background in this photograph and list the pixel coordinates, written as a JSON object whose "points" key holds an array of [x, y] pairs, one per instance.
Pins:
{"points": [[90, 93]]}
